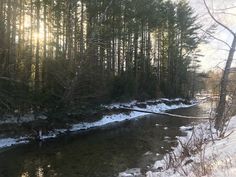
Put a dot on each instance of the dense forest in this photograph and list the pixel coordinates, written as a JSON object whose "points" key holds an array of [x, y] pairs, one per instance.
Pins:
{"points": [[76, 53]]}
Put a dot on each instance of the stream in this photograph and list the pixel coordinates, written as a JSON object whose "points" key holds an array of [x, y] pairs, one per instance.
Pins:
{"points": [[101, 152]]}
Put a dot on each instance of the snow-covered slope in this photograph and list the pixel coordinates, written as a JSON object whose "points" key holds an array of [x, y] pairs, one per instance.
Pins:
{"points": [[222, 154], [216, 159]]}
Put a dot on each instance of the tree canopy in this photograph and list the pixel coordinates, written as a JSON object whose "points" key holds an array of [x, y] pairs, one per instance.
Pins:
{"points": [[82, 52]]}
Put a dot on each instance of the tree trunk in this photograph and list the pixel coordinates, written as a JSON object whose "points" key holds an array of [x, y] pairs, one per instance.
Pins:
{"points": [[37, 48], [8, 38], [44, 65], [82, 31], [29, 63], [223, 91]]}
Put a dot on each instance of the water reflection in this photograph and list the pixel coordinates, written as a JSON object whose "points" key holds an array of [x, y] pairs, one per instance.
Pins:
{"points": [[100, 153], [32, 168], [25, 174], [39, 172]]}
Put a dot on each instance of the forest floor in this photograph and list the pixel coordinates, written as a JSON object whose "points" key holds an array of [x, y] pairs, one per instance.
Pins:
{"points": [[201, 153], [18, 130]]}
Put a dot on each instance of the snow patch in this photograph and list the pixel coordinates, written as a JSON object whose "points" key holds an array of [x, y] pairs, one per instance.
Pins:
{"points": [[219, 156], [147, 153], [131, 173], [132, 115], [7, 142]]}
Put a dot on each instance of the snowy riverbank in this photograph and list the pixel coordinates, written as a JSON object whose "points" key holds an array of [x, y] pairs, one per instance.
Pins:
{"points": [[160, 105], [214, 159]]}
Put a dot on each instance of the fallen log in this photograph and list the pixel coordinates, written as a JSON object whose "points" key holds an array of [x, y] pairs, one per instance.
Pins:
{"points": [[165, 113]]}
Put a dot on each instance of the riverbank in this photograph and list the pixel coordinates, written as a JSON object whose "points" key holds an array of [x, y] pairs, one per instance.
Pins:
{"points": [[114, 114], [208, 155]]}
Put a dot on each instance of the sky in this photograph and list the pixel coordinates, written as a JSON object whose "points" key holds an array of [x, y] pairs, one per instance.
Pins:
{"points": [[215, 52]]}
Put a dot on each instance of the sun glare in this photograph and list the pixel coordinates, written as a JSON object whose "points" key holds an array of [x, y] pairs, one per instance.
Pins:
{"points": [[39, 36], [36, 35], [27, 22]]}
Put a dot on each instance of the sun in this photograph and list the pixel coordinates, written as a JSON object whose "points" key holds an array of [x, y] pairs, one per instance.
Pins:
{"points": [[39, 36], [36, 35]]}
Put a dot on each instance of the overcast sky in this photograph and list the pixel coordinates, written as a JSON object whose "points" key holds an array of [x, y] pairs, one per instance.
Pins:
{"points": [[215, 52]]}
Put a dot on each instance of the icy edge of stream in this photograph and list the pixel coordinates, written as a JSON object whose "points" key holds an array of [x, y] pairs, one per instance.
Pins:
{"points": [[107, 119]]}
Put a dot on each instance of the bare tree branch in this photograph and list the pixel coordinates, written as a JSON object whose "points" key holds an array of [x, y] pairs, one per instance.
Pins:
{"points": [[217, 21], [227, 8], [220, 40], [226, 13]]}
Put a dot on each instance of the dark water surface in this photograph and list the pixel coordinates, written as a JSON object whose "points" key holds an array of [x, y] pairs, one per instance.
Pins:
{"points": [[103, 152]]}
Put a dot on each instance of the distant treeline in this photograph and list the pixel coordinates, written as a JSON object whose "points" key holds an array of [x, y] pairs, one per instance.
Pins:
{"points": [[74, 53]]}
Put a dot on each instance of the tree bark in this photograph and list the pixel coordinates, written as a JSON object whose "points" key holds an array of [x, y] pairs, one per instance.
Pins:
{"points": [[37, 48], [223, 91]]}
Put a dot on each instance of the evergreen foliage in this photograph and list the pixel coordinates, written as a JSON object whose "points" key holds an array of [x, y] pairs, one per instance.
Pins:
{"points": [[61, 53]]}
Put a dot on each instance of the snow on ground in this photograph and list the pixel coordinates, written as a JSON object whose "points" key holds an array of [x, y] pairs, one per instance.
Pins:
{"points": [[163, 168], [161, 107], [222, 154], [6, 142], [131, 173], [217, 159], [107, 119], [133, 103]]}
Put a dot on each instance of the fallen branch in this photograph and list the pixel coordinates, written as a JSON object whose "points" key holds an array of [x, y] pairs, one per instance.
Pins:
{"points": [[165, 113]]}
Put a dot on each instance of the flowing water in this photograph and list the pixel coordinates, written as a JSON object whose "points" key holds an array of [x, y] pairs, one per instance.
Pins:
{"points": [[102, 152]]}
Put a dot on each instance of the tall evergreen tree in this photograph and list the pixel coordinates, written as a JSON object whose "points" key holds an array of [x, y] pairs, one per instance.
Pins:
{"points": [[84, 51]]}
